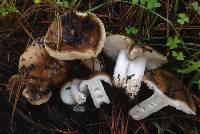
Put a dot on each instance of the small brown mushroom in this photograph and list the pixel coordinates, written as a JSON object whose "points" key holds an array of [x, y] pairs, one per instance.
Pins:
{"points": [[36, 63], [40, 71], [168, 91], [75, 35]]}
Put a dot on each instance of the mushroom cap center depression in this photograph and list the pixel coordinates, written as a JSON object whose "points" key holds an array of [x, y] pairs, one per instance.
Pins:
{"points": [[78, 32]]}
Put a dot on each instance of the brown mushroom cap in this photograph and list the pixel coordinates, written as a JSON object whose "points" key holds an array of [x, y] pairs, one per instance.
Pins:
{"points": [[35, 97], [154, 58], [37, 64], [171, 86], [75, 35]]}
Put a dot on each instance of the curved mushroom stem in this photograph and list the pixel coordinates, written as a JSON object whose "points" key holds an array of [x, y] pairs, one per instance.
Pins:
{"points": [[156, 102], [134, 76], [96, 89], [79, 97], [71, 95], [121, 67]]}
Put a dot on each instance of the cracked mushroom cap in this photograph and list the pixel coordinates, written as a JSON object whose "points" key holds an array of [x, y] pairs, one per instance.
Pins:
{"points": [[36, 63], [154, 58], [75, 35], [115, 43], [168, 91]]}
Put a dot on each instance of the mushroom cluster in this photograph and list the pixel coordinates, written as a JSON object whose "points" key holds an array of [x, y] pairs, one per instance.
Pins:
{"points": [[46, 63], [131, 62], [129, 73]]}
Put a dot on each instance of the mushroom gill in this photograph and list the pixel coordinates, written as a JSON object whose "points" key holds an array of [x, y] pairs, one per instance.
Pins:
{"points": [[168, 91]]}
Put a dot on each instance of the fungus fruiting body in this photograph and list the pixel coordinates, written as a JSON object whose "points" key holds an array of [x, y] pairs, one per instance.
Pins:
{"points": [[96, 88], [75, 35], [70, 93], [131, 62], [168, 91], [40, 72]]}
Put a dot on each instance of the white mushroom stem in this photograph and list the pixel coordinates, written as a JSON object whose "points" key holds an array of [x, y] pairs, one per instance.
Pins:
{"points": [[96, 89], [129, 73], [79, 97], [66, 96], [70, 93], [156, 102], [121, 68], [134, 76]]}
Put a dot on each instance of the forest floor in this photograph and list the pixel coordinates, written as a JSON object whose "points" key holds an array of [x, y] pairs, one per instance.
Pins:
{"points": [[152, 23]]}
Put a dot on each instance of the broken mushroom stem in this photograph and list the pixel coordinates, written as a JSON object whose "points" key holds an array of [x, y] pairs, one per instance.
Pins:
{"points": [[96, 88], [70, 93]]}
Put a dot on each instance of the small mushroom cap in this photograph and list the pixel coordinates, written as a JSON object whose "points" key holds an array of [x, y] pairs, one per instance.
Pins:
{"points": [[75, 35], [115, 43], [37, 64], [171, 86], [35, 97], [154, 58]]}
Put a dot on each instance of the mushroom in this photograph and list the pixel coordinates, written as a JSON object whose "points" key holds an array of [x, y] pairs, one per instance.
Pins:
{"points": [[75, 35], [140, 58], [71, 95], [168, 91], [36, 63], [96, 88], [36, 97], [131, 62], [40, 70]]}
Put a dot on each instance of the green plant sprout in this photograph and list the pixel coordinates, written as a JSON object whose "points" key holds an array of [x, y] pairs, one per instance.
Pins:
{"points": [[178, 55], [173, 42], [182, 18], [37, 1], [131, 30], [150, 4], [64, 4], [196, 7], [7, 8]]}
